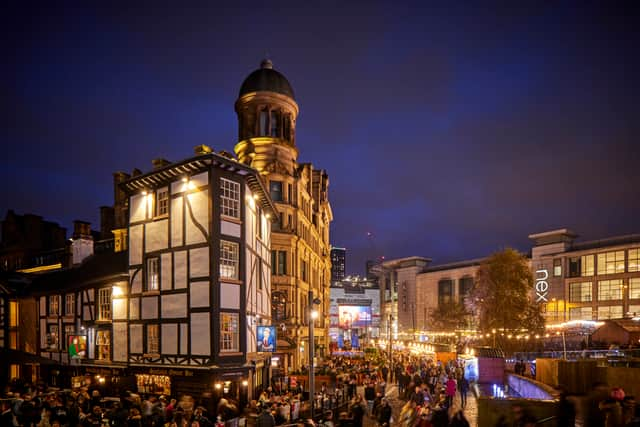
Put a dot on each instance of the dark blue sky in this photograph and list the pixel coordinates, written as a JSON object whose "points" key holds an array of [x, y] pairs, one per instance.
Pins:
{"points": [[446, 132]]}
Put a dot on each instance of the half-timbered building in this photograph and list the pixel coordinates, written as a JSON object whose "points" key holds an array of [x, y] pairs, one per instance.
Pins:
{"points": [[199, 277]]}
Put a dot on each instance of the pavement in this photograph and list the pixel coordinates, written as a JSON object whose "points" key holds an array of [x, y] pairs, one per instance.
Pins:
{"points": [[470, 409]]}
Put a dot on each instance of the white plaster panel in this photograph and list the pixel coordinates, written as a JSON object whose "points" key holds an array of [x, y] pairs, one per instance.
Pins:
{"points": [[229, 295], [180, 270], [134, 308], [177, 187], [200, 180], [199, 294], [199, 202], [177, 224], [200, 334], [86, 314], [174, 305], [156, 235], [119, 341], [184, 338], [90, 293], [135, 244], [150, 307], [199, 262], [43, 306], [120, 308], [137, 208], [170, 338], [230, 228], [165, 271], [135, 332], [136, 281]]}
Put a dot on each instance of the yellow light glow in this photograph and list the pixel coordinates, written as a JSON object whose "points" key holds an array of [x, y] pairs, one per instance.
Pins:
{"points": [[267, 216], [245, 383], [314, 314], [218, 386], [41, 268], [117, 291], [256, 196], [144, 192]]}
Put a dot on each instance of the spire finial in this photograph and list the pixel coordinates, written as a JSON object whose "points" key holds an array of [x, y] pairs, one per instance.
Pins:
{"points": [[266, 63]]}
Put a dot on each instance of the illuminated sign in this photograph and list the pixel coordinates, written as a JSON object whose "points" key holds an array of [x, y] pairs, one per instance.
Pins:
{"points": [[542, 286], [77, 346], [266, 338], [354, 316]]}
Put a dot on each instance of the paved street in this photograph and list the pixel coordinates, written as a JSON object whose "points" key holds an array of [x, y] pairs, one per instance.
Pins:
{"points": [[470, 411]]}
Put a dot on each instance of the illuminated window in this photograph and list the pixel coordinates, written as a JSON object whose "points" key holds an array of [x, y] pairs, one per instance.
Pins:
{"points": [[153, 340], [68, 331], [153, 274], [587, 265], [275, 190], [14, 315], [69, 305], [610, 312], [634, 288], [580, 292], [54, 305], [611, 262], [634, 260], [557, 267], [229, 261], [53, 336], [609, 290], [581, 313], [229, 332], [162, 202], [229, 198], [103, 344], [104, 304], [634, 309]]}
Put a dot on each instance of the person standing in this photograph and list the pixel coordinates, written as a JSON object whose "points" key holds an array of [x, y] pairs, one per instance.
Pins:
{"points": [[450, 390], [463, 387]]}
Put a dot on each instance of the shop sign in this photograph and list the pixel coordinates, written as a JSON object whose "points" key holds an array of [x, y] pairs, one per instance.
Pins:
{"points": [[99, 371], [542, 286], [171, 372]]}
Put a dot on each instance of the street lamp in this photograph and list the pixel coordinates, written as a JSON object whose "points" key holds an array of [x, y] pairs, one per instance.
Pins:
{"points": [[313, 315]]}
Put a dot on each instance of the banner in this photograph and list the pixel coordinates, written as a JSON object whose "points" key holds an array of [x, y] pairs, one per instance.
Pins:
{"points": [[267, 338]]}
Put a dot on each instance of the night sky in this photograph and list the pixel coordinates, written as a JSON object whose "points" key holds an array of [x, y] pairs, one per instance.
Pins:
{"points": [[447, 133]]}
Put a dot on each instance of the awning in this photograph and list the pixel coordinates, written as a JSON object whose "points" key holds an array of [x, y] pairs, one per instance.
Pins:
{"points": [[9, 356]]}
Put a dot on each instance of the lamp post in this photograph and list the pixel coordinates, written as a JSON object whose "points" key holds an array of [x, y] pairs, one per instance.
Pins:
{"points": [[313, 314]]}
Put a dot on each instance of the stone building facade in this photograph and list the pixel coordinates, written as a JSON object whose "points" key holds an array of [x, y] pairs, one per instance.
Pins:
{"points": [[267, 114]]}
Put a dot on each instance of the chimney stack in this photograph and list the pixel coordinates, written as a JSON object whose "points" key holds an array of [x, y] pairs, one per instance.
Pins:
{"points": [[82, 242], [160, 163]]}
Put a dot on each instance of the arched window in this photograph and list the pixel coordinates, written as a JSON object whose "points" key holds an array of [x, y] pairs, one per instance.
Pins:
{"points": [[275, 124], [264, 123], [286, 134]]}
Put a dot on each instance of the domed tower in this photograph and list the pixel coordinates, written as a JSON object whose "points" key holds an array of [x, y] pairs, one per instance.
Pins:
{"points": [[267, 113]]}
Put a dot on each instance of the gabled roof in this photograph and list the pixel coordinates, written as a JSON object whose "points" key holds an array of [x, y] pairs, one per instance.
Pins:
{"points": [[199, 163], [96, 268]]}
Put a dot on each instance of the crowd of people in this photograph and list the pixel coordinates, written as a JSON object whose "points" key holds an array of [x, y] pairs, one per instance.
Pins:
{"points": [[42, 407]]}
